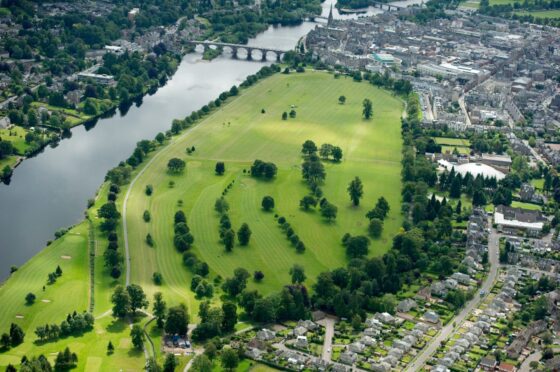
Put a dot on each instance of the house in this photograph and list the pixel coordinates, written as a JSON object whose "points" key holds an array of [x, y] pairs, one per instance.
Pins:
{"points": [[450, 283], [406, 305], [438, 289], [368, 341], [381, 367], [512, 220], [461, 278], [318, 315], [506, 367], [308, 324], [301, 342], [348, 357], [372, 332], [523, 338], [255, 343], [488, 363], [385, 318], [403, 345], [299, 331], [356, 347], [254, 353], [266, 335], [431, 317], [397, 353]]}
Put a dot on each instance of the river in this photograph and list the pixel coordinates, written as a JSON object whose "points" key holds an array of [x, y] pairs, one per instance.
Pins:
{"points": [[50, 191]]}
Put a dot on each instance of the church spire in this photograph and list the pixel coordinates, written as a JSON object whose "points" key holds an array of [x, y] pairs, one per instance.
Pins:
{"points": [[330, 20]]}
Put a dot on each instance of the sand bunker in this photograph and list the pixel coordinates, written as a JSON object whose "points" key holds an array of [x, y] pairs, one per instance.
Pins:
{"points": [[66, 257]]}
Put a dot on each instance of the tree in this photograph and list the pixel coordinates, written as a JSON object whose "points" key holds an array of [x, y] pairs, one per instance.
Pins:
{"points": [[456, 186], [308, 148], [267, 203], [121, 302], [16, 334], [220, 168], [177, 320], [297, 273], [284, 115], [229, 240], [170, 363], [221, 205], [58, 271], [137, 297], [336, 153], [244, 234], [329, 211], [108, 211], [230, 359], [325, 150], [65, 360], [110, 348], [137, 336], [201, 363], [175, 165], [229, 321], [258, 276], [307, 202], [5, 341], [356, 191], [357, 246], [30, 298], [159, 308], [367, 109], [157, 278], [342, 100], [375, 227]]}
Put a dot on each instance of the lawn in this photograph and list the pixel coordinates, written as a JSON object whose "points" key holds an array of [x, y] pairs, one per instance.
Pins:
{"points": [[462, 150], [459, 142], [371, 151], [555, 13], [533, 207], [238, 134]]}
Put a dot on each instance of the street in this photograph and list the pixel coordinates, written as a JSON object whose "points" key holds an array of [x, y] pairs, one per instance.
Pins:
{"points": [[431, 347]]}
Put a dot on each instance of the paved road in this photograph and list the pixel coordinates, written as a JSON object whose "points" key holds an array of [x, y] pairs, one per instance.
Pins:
{"points": [[328, 322], [430, 349], [464, 109], [525, 366]]}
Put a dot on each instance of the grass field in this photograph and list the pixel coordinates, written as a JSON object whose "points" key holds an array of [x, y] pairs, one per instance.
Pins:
{"points": [[371, 151], [69, 293], [541, 13], [371, 148], [452, 141]]}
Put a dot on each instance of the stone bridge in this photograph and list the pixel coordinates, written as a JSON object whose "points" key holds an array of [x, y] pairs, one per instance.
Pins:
{"points": [[235, 48]]}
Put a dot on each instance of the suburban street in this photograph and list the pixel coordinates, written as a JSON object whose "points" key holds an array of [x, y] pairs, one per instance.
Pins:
{"points": [[445, 332], [328, 323]]}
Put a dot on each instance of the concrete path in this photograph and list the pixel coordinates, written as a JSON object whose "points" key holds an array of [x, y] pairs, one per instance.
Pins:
{"points": [[328, 323]]}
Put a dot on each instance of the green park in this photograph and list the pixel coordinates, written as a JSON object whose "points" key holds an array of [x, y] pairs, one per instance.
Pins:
{"points": [[269, 122]]}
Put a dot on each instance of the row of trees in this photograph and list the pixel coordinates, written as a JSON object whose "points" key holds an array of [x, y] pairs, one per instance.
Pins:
{"points": [[110, 215], [74, 324], [291, 235], [183, 239]]}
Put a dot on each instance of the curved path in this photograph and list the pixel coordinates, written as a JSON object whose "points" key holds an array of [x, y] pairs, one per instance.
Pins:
{"points": [[129, 189]]}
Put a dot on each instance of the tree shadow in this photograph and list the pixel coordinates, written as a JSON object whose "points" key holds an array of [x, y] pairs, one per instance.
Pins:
{"points": [[116, 326]]}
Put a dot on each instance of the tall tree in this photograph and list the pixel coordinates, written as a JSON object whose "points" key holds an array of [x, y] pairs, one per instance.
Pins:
{"points": [[137, 336], [230, 360], [229, 321], [121, 302], [367, 109], [244, 234], [356, 191], [137, 297], [297, 272], [159, 309]]}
